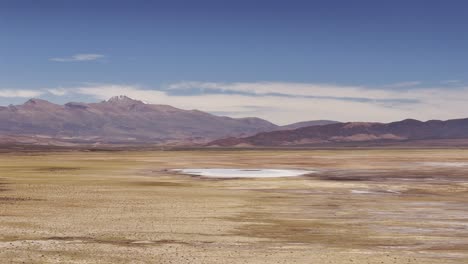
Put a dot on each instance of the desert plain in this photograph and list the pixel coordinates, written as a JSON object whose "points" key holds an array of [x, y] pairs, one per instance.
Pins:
{"points": [[359, 206]]}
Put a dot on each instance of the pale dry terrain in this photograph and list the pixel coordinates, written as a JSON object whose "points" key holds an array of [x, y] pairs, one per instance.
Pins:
{"points": [[362, 206]]}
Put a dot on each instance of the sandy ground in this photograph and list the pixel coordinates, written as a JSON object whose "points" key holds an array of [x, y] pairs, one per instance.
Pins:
{"points": [[362, 206]]}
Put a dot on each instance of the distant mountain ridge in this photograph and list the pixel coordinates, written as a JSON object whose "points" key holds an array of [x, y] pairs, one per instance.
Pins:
{"points": [[121, 119], [355, 132]]}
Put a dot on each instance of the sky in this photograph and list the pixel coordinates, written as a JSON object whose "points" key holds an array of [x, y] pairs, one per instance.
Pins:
{"points": [[285, 61]]}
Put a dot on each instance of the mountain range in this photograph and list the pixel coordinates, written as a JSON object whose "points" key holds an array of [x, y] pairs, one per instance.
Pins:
{"points": [[123, 120], [402, 132]]}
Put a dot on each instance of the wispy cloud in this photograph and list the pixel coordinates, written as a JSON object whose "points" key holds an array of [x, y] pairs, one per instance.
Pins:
{"points": [[12, 93], [451, 82], [58, 91], [307, 90], [404, 84], [79, 57]]}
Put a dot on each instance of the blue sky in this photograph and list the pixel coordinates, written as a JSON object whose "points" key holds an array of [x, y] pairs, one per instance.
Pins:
{"points": [[285, 61]]}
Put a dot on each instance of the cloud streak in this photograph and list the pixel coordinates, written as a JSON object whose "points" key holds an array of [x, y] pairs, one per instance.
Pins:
{"points": [[325, 91], [13, 93], [58, 91], [405, 84], [79, 58]]}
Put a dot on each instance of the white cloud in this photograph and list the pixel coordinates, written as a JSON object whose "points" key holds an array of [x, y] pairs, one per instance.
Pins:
{"points": [[58, 91], [12, 93], [79, 57]]}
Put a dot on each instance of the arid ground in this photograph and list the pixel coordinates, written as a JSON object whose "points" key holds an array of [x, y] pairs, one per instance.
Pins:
{"points": [[362, 206]]}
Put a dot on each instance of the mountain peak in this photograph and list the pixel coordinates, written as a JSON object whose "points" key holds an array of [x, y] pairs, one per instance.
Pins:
{"points": [[34, 102], [122, 99]]}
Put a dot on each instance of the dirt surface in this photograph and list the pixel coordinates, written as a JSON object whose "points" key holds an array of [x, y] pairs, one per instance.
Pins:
{"points": [[362, 206]]}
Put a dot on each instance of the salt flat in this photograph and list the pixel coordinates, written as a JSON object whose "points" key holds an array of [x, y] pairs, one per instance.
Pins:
{"points": [[243, 173], [360, 206]]}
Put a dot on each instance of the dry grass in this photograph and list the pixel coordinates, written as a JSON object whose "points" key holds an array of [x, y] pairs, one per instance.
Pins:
{"points": [[366, 206]]}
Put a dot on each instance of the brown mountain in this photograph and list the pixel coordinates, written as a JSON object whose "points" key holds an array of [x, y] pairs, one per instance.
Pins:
{"points": [[121, 119], [354, 132]]}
